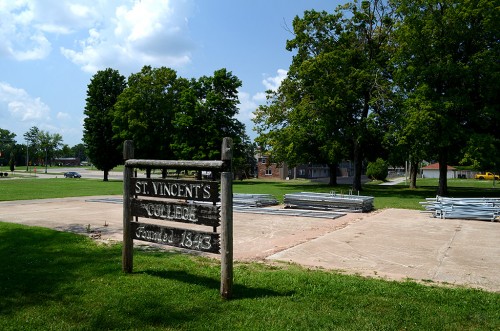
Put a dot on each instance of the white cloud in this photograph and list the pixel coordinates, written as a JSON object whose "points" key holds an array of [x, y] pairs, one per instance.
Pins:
{"points": [[24, 27], [260, 97], [152, 32], [21, 105], [38, 47], [125, 34], [247, 106], [63, 116], [273, 83], [249, 103]]}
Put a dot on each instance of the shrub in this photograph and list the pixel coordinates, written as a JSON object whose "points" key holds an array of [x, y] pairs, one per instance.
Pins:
{"points": [[377, 170]]}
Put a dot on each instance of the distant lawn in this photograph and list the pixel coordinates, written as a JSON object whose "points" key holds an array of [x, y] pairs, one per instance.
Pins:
{"points": [[37, 188], [394, 196], [61, 281]]}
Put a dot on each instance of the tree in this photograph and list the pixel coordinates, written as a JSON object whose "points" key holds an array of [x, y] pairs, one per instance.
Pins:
{"points": [[31, 138], [336, 80], [7, 146], [447, 65], [48, 144], [78, 151], [377, 169], [12, 161], [482, 152], [207, 109], [409, 136], [6, 136], [101, 144], [145, 109]]}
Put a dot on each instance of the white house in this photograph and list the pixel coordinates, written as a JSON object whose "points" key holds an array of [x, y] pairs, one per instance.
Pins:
{"points": [[432, 171]]}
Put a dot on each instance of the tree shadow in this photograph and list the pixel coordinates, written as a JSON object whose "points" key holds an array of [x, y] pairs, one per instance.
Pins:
{"points": [[239, 291], [38, 264]]}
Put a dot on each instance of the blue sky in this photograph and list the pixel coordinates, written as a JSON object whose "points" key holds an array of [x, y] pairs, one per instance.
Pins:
{"points": [[50, 49]]}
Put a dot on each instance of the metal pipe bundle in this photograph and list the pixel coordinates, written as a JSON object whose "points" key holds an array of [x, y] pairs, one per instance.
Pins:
{"points": [[254, 200], [463, 208], [329, 201]]}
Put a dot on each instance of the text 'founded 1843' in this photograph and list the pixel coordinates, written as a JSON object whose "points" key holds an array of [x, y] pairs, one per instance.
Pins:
{"points": [[184, 238], [189, 190]]}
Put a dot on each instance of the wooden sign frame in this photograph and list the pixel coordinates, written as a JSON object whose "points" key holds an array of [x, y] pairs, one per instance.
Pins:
{"points": [[183, 201]]}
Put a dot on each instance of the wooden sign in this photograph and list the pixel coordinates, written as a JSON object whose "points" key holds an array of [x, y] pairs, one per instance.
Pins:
{"points": [[177, 211], [183, 238], [195, 190], [174, 200]]}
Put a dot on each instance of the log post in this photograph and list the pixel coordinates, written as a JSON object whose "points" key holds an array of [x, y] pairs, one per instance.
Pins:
{"points": [[128, 243], [226, 221]]}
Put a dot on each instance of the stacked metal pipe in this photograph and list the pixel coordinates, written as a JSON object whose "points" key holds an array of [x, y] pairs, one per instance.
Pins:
{"points": [[254, 200], [329, 201], [463, 208]]}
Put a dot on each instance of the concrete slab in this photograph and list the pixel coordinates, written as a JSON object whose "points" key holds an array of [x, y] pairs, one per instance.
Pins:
{"points": [[402, 244], [393, 243]]}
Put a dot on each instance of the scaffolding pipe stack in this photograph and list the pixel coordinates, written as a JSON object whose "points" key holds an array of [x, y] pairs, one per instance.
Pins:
{"points": [[487, 209], [329, 201], [254, 200]]}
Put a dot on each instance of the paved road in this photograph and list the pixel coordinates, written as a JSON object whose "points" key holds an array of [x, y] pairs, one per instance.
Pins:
{"points": [[392, 243], [85, 172]]}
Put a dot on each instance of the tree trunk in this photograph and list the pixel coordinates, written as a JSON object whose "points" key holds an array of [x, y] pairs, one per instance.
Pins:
{"points": [[443, 173], [358, 148], [333, 174], [358, 158], [413, 174], [106, 173]]}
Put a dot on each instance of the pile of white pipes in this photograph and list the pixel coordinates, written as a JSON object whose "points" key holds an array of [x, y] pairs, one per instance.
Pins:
{"points": [[254, 200], [329, 201], [487, 209]]}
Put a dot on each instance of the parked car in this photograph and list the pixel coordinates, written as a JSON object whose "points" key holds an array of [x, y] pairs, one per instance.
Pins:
{"points": [[72, 174], [487, 175]]}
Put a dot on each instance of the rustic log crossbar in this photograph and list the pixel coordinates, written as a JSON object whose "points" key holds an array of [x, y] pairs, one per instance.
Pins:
{"points": [[176, 201]]}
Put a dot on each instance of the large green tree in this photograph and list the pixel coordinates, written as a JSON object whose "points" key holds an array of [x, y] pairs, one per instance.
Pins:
{"points": [[145, 110], [102, 94], [336, 85], [206, 115], [448, 69]]}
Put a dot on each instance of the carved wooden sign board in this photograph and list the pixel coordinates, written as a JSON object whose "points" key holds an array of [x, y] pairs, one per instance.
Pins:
{"points": [[180, 202], [160, 204]]}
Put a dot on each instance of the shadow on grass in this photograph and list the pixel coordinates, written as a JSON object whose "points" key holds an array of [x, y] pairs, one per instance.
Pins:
{"points": [[38, 264], [239, 291]]}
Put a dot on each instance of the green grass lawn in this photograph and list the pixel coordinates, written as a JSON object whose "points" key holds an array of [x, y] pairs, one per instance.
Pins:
{"points": [[61, 281], [36, 188]]}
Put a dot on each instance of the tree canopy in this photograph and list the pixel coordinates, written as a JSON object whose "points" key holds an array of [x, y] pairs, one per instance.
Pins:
{"points": [[335, 86], [102, 94], [448, 71], [206, 115], [170, 117], [423, 75]]}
